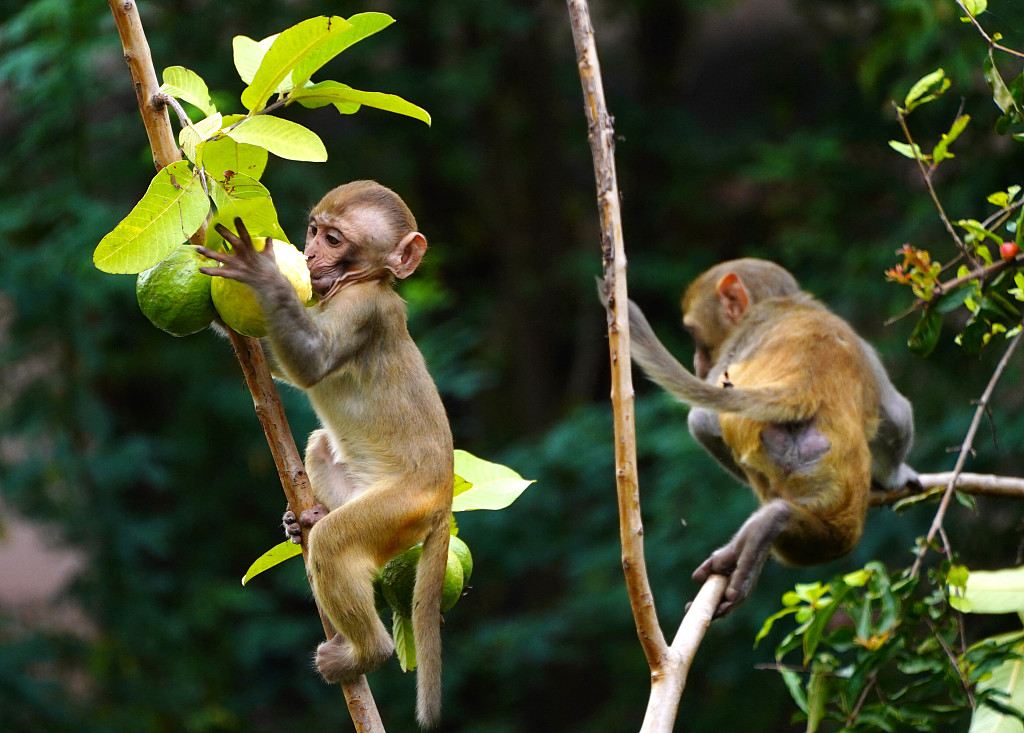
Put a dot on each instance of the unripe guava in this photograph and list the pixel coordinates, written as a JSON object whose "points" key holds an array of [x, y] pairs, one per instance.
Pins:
{"points": [[174, 295], [398, 578], [236, 302]]}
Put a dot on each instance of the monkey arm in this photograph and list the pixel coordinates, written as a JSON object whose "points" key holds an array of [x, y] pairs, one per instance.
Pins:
{"points": [[742, 558], [895, 434]]}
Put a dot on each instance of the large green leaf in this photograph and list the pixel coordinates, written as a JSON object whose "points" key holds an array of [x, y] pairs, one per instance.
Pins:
{"points": [[301, 45], [361, 26], [405, 641], [274, 556], [172, 210], [348, 100], [258, 214], [991, 591], [249, 55], [1007, 678], [494, 486], [188, 86], [224, 157], [283, 138]]}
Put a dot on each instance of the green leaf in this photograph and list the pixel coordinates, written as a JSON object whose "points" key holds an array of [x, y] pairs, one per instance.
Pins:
{"points": [[494, 486], [283, 138], [460, 485], [976, 7], [1001, 93], [274, 556], [348, 100], [360, 26], [941, 151], [303, 45], [910, 151], [192, 136], [405, 641], [949, 302], [173, 209], [224, 157], [1007, 679], [925, 337], [795, 687], [995, 591], [924, 90], [260, 219], [248, 55], [235, 187], [817, 696], [766, 627], [188, 86]]}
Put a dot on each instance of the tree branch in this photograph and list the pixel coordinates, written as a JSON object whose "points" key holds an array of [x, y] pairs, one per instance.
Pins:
{"points": [[266, 400], [669, 666]]}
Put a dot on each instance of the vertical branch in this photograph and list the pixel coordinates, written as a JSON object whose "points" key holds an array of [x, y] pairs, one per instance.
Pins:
{"points": [[602, 146], [266, 400], [669, 665]]}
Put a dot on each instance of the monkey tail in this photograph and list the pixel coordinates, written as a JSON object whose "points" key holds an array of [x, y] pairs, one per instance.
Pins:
{"points": [[766, 404], [426, 622]]}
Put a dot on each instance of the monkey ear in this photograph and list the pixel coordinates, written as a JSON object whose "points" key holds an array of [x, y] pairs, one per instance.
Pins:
{"points": [[733, 297], [406, 255]]}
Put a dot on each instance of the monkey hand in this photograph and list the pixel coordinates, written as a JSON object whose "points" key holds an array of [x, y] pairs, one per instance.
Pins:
{"points": [[293, 525], [255, 268], [741, 559]]}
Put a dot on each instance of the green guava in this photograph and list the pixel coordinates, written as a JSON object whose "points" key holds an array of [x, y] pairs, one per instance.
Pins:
{"points": [[174, 295], [398, 578], [236, 302]]}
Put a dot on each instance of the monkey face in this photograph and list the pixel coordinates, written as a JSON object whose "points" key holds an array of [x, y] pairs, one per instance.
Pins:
{"points": [[330, 252]]}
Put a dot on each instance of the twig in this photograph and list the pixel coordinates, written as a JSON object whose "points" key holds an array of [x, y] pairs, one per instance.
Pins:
{"points": [[978, 484], [266, 400], [965, 449], [926, 175], [988, 39]]}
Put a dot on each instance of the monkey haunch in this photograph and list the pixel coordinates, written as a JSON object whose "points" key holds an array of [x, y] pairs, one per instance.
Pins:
{"points": [[381, 465], [794, 404]]}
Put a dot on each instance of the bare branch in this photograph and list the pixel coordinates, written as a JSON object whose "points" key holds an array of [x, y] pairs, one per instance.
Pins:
{"points": [[965, 450]]}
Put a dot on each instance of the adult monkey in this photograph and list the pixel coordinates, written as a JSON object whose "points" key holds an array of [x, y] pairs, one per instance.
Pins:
{"points": [[381, 465], [794, 404]]}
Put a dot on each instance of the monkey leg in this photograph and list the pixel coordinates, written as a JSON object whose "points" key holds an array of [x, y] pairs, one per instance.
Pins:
{"points": [[345, 550], [741, 559], [706, 430]]}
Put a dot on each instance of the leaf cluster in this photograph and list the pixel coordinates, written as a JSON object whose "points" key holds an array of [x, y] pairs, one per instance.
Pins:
{"points": [[226, 155], [880, 651]]}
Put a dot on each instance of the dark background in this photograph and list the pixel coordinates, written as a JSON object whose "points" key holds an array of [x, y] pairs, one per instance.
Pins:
{"points": [[751, 128]]}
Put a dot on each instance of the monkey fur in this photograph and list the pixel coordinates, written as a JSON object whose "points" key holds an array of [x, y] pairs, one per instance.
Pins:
{"points": [[381, 464], [789, 400]]}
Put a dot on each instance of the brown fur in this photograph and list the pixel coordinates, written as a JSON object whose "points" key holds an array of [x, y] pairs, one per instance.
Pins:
{"points": [[792, 403], [381, 464]]}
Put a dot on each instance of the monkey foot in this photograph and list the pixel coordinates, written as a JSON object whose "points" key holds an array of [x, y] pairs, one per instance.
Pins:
{"points": [[337, 662], [293, 525]]}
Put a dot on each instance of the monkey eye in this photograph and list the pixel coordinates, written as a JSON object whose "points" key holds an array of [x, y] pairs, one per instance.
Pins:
{"points": [[312, 229], [333, 240]]}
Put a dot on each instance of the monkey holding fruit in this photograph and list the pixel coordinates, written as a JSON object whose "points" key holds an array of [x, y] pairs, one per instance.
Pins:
{"points": [[790, 400], [381, 464]]}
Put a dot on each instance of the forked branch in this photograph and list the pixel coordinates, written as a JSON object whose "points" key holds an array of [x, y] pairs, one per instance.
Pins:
{"points": [[669, 665]]}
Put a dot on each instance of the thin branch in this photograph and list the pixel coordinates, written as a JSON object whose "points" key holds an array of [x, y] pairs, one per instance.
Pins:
{"points": [[965, 449], [926, 175], [266, 400], [977, 484], [602, 146], [988, 39]]}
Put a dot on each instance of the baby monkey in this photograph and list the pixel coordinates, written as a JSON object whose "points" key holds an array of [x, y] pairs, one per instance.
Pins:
{"points": [[381, 464], [793, 403]]}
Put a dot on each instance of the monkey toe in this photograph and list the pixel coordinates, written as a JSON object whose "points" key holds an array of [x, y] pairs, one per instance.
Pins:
{"points": [[338, 662], [312, 515]]}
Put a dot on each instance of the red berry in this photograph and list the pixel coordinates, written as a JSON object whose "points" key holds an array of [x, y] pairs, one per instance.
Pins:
{"points": [[1008, 250]]}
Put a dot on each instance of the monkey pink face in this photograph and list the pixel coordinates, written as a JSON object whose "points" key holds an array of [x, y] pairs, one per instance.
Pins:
{"points": [[333, 249]]}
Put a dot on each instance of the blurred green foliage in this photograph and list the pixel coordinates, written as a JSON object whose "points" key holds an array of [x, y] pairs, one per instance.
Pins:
{"points": [[745, 129]]}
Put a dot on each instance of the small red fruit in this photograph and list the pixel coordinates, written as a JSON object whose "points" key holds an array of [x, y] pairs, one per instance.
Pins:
{"points": [[1008, 250]]}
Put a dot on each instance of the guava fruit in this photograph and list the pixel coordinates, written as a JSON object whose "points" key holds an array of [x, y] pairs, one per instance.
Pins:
{"points": [[398, 578], [236, 302], [174, 295]]}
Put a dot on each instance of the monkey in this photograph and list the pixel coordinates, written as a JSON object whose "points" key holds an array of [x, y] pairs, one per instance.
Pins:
{"points": [[789, 400], [381, 464]]}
